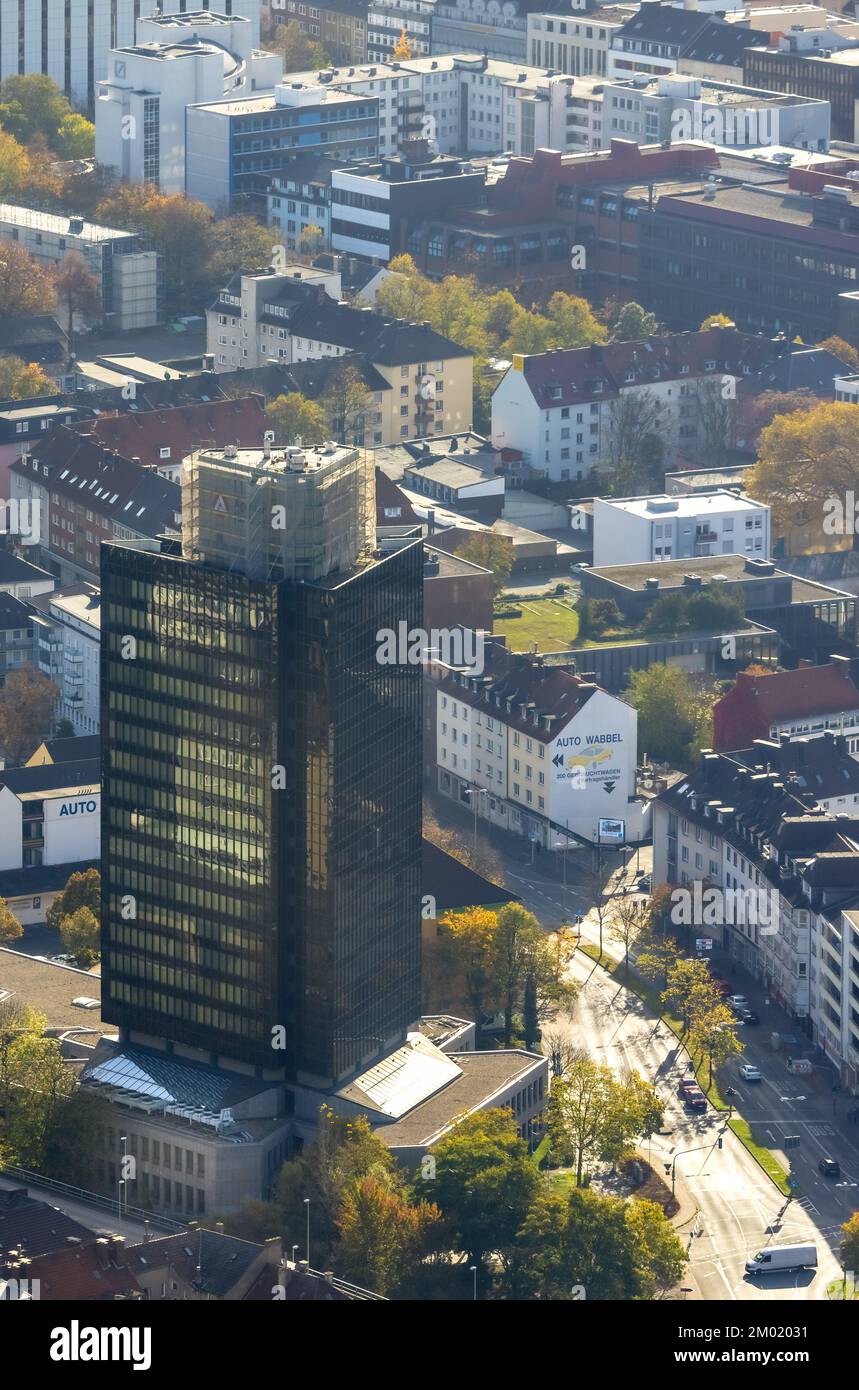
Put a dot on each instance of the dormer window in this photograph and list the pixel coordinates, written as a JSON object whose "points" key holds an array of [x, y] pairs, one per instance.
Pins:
{"points": [[711, 365], [598, 385]]}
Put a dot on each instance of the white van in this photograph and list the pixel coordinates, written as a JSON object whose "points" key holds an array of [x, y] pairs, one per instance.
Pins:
{"points": [[783, 1257]]}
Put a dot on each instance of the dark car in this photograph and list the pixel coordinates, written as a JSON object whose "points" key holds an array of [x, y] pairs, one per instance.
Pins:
{"points": [[749, 1017], [694, 1099], [645, 884], [830, 1168]]}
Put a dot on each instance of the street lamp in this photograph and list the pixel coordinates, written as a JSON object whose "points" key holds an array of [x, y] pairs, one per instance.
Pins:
{"points": [[307, 1209], [119, 1186], [475, 793], [294, 1248], [124, 1141], [473, 1269]]}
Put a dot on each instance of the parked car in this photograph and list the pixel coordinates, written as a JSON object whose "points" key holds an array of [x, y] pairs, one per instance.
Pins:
{"points": [[830, 1168], [751, 1073], [749, 1017], [687, 1086], [645, 884], [738, 1001]]}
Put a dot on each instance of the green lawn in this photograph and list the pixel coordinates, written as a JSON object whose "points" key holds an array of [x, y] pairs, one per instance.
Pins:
{"points": [[552, 623]]}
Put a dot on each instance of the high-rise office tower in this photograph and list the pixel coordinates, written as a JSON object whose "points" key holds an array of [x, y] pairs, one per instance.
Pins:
{"points": [[261, 780]]}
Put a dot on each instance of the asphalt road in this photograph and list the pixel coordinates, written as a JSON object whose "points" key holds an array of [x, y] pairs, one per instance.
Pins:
{"points": [[734, 1208]]}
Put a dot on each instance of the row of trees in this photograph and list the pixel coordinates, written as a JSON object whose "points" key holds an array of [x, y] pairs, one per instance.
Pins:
{"points": [[478, 1201], [504, 961]]}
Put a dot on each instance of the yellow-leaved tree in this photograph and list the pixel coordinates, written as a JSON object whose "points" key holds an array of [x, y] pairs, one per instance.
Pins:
{"points": [[806, 467]]}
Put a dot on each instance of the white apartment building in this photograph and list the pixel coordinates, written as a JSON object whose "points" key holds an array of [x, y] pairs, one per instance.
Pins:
{"points": [[247, 325], [782, 858], [67, 627], [541, 752], [177, 60], [126, 273], [466, 104], [568, 411], [69, 40], [834, 989], [678, 108], [640, 529]]}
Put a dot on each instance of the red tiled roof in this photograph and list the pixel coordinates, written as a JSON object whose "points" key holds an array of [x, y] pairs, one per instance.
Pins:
{"points": [[83, 1272], [142, 434], [757, 702], [806, 691]]}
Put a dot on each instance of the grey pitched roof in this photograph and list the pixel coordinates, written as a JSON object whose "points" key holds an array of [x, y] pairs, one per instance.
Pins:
{"points": [[46, 777]]}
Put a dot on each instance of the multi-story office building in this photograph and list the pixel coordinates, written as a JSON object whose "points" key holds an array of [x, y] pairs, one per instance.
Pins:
{"points": [[176, 61], [655, 110], [300, 198], [125, 271], [464, 103], [386, 20], [373, 205], [575, 39], [272, 854], [495, 28], [235, 149], [815, 64], [339, 25], [69, 40], [677, 528], [775, 258]]}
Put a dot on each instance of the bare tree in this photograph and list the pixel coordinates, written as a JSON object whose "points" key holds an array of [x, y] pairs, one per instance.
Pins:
{"points": [[715, 410], [633, 441]]}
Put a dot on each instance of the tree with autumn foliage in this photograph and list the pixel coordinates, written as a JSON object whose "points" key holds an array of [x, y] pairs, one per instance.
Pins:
{"points": [[840, 348], [77, 290], [806, 462], [403, 50], [470, 934], [25, 286], [293, 417], [15, 167], [382, 1234], [20, 381], [10, 928], [299, 52], [27, 702]]}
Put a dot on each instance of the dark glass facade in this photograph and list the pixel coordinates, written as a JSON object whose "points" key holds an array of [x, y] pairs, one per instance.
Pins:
{"points": [[260, 811]]}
